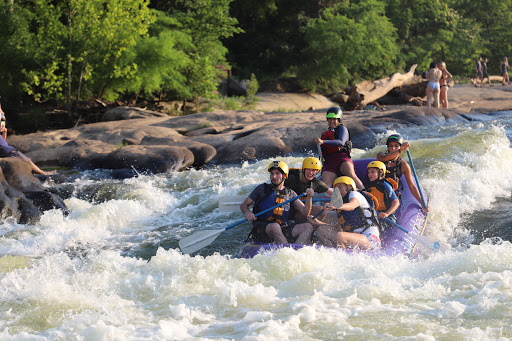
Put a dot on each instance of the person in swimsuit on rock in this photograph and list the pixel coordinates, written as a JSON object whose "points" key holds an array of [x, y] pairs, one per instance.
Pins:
{"points": [[443, 82], [433, 86]]}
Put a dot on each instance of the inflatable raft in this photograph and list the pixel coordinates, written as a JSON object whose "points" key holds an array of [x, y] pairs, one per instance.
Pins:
{"points": [[409, 216]]}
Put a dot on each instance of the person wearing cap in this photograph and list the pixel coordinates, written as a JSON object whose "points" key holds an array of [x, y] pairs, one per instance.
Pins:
{"points": [[276, 226], [300, 179], [356, 224], [336, 147], [396, 166]]}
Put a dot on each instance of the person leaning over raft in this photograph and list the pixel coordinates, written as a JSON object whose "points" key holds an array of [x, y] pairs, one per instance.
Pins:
{"points": [[383, 190], [9, 151], [336, 147], [275, 226], [396, 166], [299, 180], [357, 225]]}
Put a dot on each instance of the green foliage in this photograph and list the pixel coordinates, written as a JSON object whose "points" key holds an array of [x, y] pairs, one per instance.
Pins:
{"points": [[252, 89], [350, 42]]}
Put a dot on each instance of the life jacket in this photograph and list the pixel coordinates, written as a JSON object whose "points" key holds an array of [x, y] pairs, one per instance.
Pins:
{"points": [[394, 172], [330, 135], [355, 219], [376, 188], [273, 197]]}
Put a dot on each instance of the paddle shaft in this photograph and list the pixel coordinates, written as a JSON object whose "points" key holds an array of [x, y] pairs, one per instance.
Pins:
{"points": [[435, 246], [320, 154], [265, 211], [416, 178]]}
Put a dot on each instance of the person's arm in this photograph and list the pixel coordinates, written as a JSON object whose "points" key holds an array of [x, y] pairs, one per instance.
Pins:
{"points": [[383, 157], [448, 75], [394, 206], [244, 207], [340, 138], [406, 170], [305, 209], [351, 205]]}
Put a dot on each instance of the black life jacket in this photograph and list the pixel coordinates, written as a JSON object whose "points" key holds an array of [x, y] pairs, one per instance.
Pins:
{"points": [[271, 198], [352, 220], [394, 172]]}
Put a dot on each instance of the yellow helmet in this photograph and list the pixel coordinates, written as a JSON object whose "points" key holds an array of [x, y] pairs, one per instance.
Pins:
{"points": [[378, 165], [347, 180], [281, 166], [311, 163]]}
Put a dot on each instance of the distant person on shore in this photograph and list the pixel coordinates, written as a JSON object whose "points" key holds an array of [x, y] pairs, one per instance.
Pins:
{"points": [[9, 151], [445, 78], [479, 75], [433, 86], [504, 71], [485, 74], [336, 147], [2, 122], [395, 166]]}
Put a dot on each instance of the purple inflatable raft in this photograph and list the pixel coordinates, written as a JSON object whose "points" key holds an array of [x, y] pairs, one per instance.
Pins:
{"points": [[394, 241]]}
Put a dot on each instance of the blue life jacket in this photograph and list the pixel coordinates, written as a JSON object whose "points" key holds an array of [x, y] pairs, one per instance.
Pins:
{"points": [[273, 197]]}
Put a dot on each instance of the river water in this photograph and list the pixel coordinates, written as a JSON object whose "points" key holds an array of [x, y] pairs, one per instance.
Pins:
{"points": [[111, 269]]}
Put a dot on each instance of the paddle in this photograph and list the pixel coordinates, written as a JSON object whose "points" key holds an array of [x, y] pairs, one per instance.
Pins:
{"points": [[416, 178], [203, 238], [336, 201], [320, 154], [232, 203], [428, 242]]}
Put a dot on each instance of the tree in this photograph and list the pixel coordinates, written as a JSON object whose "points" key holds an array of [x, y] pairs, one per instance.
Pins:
{"points": [[80, 41], [351, 41]]}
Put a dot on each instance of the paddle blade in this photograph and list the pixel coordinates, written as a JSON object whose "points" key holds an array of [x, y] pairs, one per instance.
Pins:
{"points": [[430, 243], [198, 240], [231, 203], [336, 199]]}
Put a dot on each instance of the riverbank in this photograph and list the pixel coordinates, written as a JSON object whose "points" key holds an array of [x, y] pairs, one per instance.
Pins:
{"points": [[284, 123]]}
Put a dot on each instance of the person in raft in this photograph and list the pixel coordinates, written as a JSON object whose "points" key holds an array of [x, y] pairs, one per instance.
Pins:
{"points": [[300, 179], [356, 226], [275, 226], [7, 150], [336, 147], [396, 166], [383, 190]]}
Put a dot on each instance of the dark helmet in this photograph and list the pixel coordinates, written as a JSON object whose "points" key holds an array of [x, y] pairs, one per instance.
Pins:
{"points": [[334, 112], [395, 138]]}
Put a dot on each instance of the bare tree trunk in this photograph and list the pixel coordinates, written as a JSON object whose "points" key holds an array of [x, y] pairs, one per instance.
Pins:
{"points": [[369, 91]]}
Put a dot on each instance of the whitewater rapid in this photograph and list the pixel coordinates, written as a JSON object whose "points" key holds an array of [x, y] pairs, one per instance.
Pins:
{"points": [[111, 269]]}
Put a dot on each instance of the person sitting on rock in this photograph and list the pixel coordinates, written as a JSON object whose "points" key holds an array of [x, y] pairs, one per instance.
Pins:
{"points": [[356, 225], [7, 150], [300, 179], [336, 147], [383, 189], [275, 226], [395, 166]]}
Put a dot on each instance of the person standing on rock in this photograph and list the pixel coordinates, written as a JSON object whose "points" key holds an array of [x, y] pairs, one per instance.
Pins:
{"points": [[485, 74], [479, 74], [504, 71], [336, 147], [9, 151], [433, 86], [2, 122], [443, 82]]}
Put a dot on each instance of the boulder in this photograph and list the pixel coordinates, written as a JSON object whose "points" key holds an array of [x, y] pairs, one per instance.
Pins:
{"points": [[154, 159], [128, 113], [22, 196], [203, 153]]}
